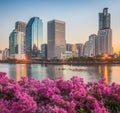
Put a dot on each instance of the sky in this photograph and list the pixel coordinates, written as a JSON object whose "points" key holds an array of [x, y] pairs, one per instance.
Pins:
{"points": [[80, 16]]}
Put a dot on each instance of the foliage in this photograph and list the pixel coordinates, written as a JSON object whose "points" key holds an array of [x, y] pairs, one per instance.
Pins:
{"points": [[58, 96]]}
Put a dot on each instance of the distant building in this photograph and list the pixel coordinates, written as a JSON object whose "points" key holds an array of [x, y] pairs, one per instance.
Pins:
{"points": [[0, 54], [44, 51], [90, 46], [56, 39], [20, 26], [17, 45], [34, 37], [67, 55], [104, 40], [68, 47], [80, 49], [75, 50], [5, 55], [86, 48]]}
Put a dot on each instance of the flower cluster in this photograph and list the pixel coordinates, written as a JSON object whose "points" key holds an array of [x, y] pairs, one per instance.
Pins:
{"points": [[58, 96]]}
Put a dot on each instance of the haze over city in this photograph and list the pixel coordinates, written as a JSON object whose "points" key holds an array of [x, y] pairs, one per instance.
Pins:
{"points": [[81, 17]]}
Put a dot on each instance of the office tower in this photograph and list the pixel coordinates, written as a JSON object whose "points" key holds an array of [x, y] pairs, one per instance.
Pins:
{"points": [[20, 26], [5, 54], [13, 42], [34, 36], [68, 47], [17, 45], [90, 46], [74, 50], [0, 54], [104, 19], [80, 49], [86, 49], [44, 51], [104, 40], [56, 39]]}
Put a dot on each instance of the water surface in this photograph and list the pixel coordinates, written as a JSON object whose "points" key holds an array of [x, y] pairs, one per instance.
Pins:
{"points": [[39, 71]]}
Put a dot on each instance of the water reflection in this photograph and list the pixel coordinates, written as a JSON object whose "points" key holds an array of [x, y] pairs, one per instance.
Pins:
{"points": [[54, 71], [90, 73]]}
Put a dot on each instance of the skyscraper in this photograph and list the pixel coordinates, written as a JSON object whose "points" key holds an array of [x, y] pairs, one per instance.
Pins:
{"points": [[17, 41], [104, 40], [56, 39], [104, 19], [20, 26], [34, 37], [17, 45], [90, 46]]}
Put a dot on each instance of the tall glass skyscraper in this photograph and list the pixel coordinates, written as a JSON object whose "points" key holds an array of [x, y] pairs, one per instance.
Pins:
{"points": [[104, 19], [104, 40], [34, 36], [13, 45]]}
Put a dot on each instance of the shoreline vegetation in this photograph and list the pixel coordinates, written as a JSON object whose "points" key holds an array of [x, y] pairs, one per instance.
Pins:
{"points": [[60, 62]]}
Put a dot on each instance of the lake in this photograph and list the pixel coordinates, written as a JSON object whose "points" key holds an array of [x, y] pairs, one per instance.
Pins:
{"points": [[40, 71]]}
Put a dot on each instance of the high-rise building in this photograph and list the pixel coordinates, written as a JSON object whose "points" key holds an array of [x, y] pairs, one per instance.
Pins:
{"points": [[13, 46], [17, 45], [0, 54], [90, 46], [20, 26], [5, 54], [80, 49], [104, 19], [68, 47], [34, 37], [44, 51], [104, 40], [56, 39]]}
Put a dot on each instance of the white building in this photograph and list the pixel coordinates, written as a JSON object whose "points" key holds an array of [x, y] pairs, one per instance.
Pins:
{"points": [[90, 46], [0, 54], [56, 39], [17, 45], [104, 41], [5, 55]]}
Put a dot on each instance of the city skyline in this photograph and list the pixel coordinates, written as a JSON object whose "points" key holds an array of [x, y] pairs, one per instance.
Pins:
{"points": [[81, 17]]}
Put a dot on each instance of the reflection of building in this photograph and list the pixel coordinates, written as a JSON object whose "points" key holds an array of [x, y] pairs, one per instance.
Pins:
{"points": [[105, 72], [5, 54], [56, 39], [54, 71], [44, 51], [34, 36], [104, 40]]}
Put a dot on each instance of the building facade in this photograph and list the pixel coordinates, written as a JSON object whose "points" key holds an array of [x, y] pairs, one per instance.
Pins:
{"points": [[17, 45], [80, 49], [20, 26], [104, 40], [34, 37], [5, 55], [44, 51], [56, 39]]}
